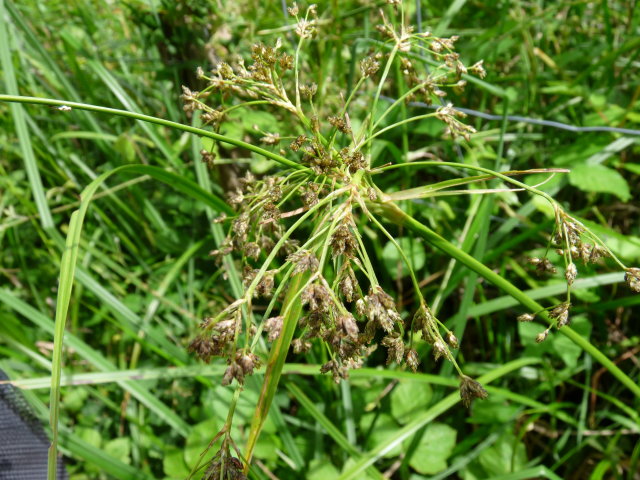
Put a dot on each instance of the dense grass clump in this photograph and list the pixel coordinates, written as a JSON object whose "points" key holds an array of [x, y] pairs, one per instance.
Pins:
{"points": [[290, 243]]}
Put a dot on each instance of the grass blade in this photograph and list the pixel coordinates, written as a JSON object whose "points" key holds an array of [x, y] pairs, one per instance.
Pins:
{"points": [[369, 458], [159, 121], [394, 214], [31, 166], [277, 357], [68, 272]]}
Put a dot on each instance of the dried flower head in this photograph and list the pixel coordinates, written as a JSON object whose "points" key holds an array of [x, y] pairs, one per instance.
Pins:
{"points": [[571, 273], [560, 314], [303, 260], [300, 345], [317, 297], [208, 157], [293, 9], [271, 139], [343, 241], [543, 265], [369, 66], [632, 277], [308, 91], [452, 340], [340, 123], [542, 336], [338, 371], [412, 359], [273, 327], [224, 466], [395, 348], [471, 389]]}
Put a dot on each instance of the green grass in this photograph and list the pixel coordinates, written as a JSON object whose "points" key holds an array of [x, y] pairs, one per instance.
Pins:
{"points": [[123, 295]]}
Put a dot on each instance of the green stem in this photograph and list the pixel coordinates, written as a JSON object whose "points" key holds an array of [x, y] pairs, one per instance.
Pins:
{"points": [[158, 121], [503, 176], [394, 125], [395, 215], [385, 74]]}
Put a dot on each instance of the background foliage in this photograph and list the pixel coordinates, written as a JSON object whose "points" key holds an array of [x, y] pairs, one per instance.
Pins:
{"points": [[139, 406]]}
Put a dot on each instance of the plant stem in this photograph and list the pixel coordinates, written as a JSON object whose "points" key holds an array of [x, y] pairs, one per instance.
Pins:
{"points": [[159, 121], [396, 215]]}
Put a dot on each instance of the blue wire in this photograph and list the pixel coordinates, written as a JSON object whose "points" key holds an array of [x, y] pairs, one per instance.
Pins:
{"points": [[533, 121]]}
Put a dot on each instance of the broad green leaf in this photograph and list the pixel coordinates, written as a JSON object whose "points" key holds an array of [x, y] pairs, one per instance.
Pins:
{"points": [[565, 348], [321, 469], [173, 463], [89, 435], [413, 249], [435, 447], [601, 179], [380, 428], [124, 146], [505, 456], [632, 167], [493, 410], [75, 398], [555, 344], [120, 448], [409, 398]]}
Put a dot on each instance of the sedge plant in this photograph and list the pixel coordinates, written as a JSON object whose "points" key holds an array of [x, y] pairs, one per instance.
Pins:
{"points": [[298, 233]]}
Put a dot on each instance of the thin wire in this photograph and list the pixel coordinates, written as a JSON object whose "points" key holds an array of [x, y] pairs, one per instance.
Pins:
{"points": [[489, 116], [533, 121]]}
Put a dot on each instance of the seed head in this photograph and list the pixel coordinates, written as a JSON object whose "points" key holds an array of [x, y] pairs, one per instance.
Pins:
{"points": [[224, 466], [439, 350], [233, 371], [571, 273], [298, 142], [526, 317], [271, 139], [252, 250], [305, 28], [273, 327], [340, 123], [300, 346], [369, 66], [208, 157], [542, 265], [471, 389], [303, 260], [247, 361], [264, 288], [338, 371], [561, 314], [286, 61], [452, 340], [293, 10], [343, 241], [317, 297], [309, 91], [541, 337], [412, 359], [632, 277], [478, 69], [395, 348], [348, 325]]}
